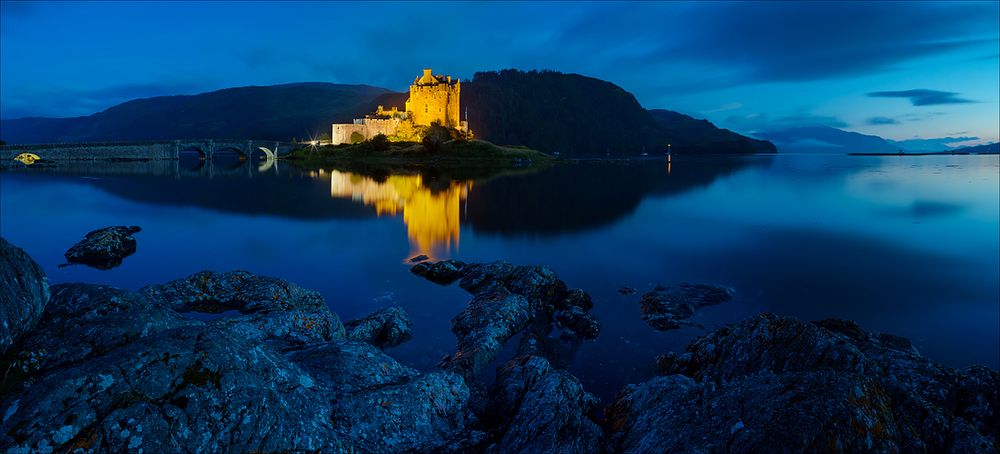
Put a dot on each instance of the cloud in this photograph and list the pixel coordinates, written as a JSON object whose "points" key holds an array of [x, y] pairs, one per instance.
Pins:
{"points": [[757, 122], [815, 41], [923, 97], [876, 121]]}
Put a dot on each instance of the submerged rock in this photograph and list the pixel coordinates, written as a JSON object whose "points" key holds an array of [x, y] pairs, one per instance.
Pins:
{"points": [[444, 272], [667, 308], [825, 386], [104, 248], [129, 371], [23, 296], [387, 327]]}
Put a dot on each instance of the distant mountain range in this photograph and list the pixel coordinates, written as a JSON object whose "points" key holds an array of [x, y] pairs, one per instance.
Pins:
{"points": [[545, 110], [825, 139], [990, 148]]}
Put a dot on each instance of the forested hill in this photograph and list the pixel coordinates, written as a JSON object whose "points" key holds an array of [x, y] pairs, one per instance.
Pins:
{"points": [[690, 135], [551, 111], [278, 112], [578, 115]]}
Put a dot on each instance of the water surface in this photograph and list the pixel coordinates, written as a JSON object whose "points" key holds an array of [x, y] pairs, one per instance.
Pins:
{"points": [[905, 245]]}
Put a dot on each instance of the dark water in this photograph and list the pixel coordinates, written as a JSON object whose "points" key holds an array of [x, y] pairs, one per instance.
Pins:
{"points": [[903, 245]]}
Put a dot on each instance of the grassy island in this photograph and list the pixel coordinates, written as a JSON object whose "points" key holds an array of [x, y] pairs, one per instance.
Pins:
{"points": [[465, 153]]}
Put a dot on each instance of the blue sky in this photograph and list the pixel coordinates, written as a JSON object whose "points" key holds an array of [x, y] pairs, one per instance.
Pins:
{"points": [[903, 71]]}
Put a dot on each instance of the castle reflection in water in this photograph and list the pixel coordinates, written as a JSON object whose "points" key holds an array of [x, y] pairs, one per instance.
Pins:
{"points": [[432, 217]]}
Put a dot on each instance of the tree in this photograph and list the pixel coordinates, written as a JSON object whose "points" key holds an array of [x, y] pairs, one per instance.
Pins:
{"points": [[379, 143], [435, 137], [357, 137]]}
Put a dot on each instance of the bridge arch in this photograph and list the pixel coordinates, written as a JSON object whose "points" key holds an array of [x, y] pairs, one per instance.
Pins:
{"points": [[191, 157]]}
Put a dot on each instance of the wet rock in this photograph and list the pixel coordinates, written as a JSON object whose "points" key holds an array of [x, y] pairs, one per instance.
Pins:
{"points": [[578, 321], [129, 371], [540, 409], [23, 295], [419, 258], [104, 248], [483, 328], [387, 327], [826, 386], [507, 299], [667, 308], [444, 272], [537, 283], [579, 298]]}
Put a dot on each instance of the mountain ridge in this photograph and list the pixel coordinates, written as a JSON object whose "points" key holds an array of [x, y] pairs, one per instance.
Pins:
{"points": [[573, 114]]}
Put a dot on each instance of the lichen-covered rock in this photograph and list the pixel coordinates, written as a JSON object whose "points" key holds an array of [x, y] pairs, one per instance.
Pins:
{"points": [[387, 327], [443, 272], [774, 383], [667, 308], [271, 308], [104, 248], [23, 295], [130, 371], [540, 409]]}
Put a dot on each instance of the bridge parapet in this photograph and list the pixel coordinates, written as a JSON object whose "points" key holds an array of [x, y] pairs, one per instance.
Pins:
{"points": [[142, 150]]}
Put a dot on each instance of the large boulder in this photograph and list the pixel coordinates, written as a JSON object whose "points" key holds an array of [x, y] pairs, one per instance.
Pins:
{"points": [[774, 383], [387, 327], [667, 308], [147, 370], [538, 408], [23, 295], [104, 248]]}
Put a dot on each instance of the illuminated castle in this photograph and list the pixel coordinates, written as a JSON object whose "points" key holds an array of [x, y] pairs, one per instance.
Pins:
{"points": [[433, 98]]}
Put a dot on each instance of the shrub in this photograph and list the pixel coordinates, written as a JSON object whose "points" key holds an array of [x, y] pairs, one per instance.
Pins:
{"points": [[435, 137]]}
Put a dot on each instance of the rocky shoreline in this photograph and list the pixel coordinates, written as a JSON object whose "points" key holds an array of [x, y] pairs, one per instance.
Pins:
{"points": [[92, 368]]}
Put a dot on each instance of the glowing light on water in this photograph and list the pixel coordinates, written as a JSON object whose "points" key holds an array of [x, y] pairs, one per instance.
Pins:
{"points": [[432, 217]]}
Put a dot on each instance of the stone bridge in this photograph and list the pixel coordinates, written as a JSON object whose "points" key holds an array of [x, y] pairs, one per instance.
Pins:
{"points": [[148, 150]]}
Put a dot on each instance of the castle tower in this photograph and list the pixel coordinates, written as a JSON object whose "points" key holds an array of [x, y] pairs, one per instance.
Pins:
{"points": [[435, 98]]}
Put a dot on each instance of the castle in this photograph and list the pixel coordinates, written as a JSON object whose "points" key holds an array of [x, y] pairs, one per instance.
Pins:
{"points": [[433, 98]]}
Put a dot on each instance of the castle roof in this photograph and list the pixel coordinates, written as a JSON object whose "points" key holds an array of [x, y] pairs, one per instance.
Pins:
{"points": [[428, 78]]}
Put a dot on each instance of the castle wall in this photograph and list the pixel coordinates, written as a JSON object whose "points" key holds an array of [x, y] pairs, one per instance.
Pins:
{"points": [[342, 132]]}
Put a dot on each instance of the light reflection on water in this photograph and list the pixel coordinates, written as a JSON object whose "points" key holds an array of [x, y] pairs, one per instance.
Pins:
{"points": [[431, 216], [909, 246]]}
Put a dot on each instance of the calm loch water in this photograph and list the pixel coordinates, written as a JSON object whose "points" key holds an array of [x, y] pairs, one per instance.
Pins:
{"points": [[905, 245]]}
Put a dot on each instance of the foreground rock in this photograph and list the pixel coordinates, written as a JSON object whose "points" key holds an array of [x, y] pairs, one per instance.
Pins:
{"points": [[540, 409], [104, 248], [778, 384], [507, 299], [137, 370], [667, 308], [23, 295], [387, 327]]}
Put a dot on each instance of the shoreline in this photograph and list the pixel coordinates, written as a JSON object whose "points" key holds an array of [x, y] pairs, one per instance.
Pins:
{"points": [[276, 362]]}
